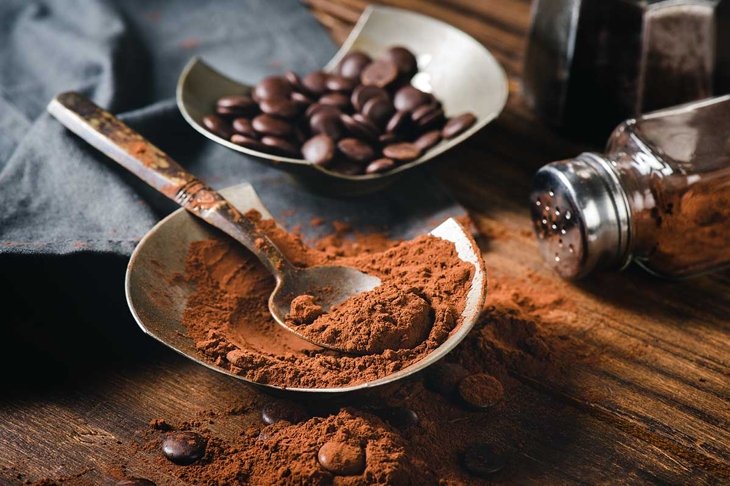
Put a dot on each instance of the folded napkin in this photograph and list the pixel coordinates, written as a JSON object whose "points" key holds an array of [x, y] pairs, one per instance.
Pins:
{"points": [[59, 196]]}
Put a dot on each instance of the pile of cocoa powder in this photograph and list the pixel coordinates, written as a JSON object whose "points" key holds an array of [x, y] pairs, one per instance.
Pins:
{"points": [[227, 315], [446, 425]]}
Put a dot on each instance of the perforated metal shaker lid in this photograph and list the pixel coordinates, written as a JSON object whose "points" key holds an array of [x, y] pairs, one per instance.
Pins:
{"points": [[581, 216]]}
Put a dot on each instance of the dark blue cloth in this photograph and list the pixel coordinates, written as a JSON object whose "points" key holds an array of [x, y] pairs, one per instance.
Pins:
{"points": [[58, 196]]}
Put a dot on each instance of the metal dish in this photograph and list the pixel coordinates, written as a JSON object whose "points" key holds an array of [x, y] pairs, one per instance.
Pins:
{"points": [[454, 66], [157, 301]]}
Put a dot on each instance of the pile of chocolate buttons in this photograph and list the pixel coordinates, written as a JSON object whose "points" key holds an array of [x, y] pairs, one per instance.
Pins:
{"points": [[365, 118]]}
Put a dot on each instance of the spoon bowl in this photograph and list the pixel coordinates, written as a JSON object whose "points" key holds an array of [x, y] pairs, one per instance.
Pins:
{"points": [[455, 67], [158, 302]]}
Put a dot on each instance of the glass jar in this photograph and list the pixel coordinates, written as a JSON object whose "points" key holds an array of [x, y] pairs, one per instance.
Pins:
{"points": [[659, 195], [591, 63]]}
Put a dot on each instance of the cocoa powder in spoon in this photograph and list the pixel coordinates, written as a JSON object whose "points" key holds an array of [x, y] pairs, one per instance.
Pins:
{"points": [[228, 317]]}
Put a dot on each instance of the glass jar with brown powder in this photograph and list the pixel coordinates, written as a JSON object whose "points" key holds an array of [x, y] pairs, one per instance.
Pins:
{"points": [[659, 195]]}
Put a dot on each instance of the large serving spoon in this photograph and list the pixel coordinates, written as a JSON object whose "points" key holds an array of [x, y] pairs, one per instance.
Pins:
{"points": [[329, 285]]}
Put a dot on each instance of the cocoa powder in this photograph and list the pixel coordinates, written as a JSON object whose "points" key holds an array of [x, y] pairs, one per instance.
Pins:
{"points": [[418, 305]]}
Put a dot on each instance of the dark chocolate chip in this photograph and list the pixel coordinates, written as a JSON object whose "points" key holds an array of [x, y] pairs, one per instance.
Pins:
{"points": [[355, 149], [244, 127], [281, 107], [380, 73], [272, 87], [480, 460], [339, 83], [287, 411], [135, 482], [480, 390], [248, 142], [428, 140], [327, 121], [409, 98], [427, 115], [362, 94], [380, 165], [218, 126], [404, 60], [342, 458], [236, 105], [359, 128], [335, 99], [281, 146], [269, 125], [183, 447], [402, 152], [319, 149], [353, 63], [315, 82], [458, 124], [398, 122], [444, 377], [398, 417], [378, 110]]}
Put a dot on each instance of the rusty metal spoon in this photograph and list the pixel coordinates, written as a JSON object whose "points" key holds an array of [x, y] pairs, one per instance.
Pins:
{"points": [[329, 285]]}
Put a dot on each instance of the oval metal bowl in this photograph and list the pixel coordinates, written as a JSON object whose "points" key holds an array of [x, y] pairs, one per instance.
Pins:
{"points": [[157, 302], [452, 65]]}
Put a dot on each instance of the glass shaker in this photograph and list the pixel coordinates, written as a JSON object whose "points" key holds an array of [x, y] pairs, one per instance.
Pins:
{"points": [[590, 64], [659, 196]]}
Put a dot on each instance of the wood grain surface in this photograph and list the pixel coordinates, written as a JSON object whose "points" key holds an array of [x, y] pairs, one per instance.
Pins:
{"points": [[652, 407]]}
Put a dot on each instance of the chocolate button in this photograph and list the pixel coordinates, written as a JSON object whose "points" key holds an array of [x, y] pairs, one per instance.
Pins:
{"points": [[341, 458], [379, 165], [136, 482], [315, 82], [319, 149], [380, 73], [426, 116], [302, 99], [362, 94], [340, 83], [398, 122], [399, 417], [458, 124], [355, 149], [335, 99], [409, 98], [481, 460], [481, 390], [269, 125], [281, 146], [294, 80], [378, 110], [428, 140], [327, 121], [247, 142], [280, 107], [244, 127], [353, 63], [184, 447], [402, 152], [360, 126], [218, 126], [272, 87], [404, 59], [444, 377], [288, 411], [236, 105]]}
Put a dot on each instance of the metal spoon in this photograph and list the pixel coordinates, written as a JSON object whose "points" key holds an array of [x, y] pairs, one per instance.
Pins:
{"points": [[329, 285]]}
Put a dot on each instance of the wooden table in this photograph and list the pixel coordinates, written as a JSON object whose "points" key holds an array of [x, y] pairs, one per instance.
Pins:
{"points": [[651, 406]]}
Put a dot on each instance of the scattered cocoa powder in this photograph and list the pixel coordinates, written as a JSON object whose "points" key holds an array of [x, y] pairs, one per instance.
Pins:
{"points": [[228, 317]]}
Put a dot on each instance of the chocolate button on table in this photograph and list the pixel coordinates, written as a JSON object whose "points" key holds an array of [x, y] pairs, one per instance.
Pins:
{"points": [[648, 404]]}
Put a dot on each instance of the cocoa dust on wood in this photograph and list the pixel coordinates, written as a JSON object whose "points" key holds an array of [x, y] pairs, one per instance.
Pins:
{"points": [[418, 305]]}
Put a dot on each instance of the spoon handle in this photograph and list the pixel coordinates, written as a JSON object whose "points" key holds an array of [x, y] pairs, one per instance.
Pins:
{"points": [[114, 138]]}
